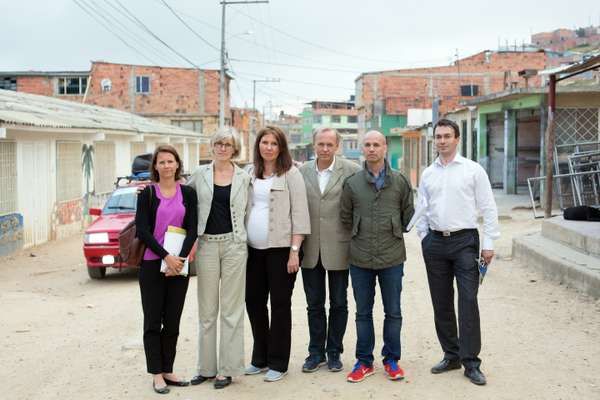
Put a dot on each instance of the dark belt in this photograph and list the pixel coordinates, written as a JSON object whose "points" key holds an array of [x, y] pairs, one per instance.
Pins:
{"points": [[455, 233]]}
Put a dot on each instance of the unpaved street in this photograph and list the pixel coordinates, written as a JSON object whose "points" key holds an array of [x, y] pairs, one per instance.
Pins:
{"points": [[65, 336]]}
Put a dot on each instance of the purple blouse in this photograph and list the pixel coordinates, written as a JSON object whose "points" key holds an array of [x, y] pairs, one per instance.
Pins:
{"points": [[171, 211]]}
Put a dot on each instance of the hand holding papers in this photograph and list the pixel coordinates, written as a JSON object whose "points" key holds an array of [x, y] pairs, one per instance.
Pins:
{"points": [[173, 243]]}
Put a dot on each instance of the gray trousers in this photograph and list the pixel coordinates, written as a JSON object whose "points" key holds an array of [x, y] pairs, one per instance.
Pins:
{"points": [[221, 278]]}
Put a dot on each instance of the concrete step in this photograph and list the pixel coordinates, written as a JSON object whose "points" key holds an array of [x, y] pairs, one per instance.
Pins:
{"points": [[583, 236], [559, 262]]}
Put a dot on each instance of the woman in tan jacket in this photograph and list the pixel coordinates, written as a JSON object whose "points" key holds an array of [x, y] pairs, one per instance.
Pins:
{"points": [[277, 222]]}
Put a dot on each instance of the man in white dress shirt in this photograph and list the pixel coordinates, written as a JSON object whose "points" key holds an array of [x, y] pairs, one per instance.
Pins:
{"points": [[455, 191]]}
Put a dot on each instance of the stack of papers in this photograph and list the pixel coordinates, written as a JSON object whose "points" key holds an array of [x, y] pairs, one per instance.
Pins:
{"points": [[173, 243]]}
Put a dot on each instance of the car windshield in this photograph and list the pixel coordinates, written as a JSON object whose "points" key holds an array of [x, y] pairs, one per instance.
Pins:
{"points": [[121, 201]]}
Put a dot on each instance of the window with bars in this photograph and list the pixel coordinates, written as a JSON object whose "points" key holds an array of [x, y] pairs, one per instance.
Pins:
{"points": [[574, 125], [69, 173], [72, 85], [469, 90], [8, 177], [352, 119], [8, 83], [336, 119], [104, 167]]}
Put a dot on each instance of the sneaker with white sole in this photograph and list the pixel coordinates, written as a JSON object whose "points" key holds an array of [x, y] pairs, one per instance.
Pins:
{"points": [[252, 370], [274, 376]]}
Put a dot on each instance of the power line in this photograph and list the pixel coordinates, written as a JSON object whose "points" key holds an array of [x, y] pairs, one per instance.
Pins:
{"points": [[102, 12], [105, 26], [354, 56], [301, 82], [297, 66], [155, 36], [189, 27]]}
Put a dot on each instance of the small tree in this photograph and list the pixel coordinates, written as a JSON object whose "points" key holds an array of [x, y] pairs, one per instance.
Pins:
{"points": [[580, 32]]}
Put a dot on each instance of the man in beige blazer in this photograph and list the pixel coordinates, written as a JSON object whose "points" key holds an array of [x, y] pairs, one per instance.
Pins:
{"points": [[326, 251]]}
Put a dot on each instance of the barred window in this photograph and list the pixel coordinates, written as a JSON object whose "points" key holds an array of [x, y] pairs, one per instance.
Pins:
{"points": [[8, 177], [104, 167], [69, 173]]}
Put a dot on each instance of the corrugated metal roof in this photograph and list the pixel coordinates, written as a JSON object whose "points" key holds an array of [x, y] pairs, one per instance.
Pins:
{"points": [[592, 62], [26, 109]]}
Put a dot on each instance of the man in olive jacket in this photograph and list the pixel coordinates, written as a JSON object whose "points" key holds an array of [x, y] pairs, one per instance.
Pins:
{"points": [[377, 205], [325, 252]]}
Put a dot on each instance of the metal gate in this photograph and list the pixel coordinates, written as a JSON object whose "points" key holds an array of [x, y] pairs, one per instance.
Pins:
{"points": [[34, 201]]}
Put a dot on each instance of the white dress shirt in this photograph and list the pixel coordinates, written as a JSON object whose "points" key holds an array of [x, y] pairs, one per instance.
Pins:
{"points": [[324, 175], [454, 196]]}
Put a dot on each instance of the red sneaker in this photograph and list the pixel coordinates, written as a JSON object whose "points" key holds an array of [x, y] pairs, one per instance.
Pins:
{"points": [[360, 372], [393, 370]]}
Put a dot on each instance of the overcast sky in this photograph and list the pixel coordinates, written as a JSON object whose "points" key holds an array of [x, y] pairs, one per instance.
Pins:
{"points": [[316, 48]]}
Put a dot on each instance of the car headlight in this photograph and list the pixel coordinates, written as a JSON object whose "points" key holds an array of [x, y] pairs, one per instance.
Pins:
{"points": [[95, 238]]}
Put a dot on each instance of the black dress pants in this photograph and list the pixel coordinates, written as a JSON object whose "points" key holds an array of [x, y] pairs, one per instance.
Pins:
{"points": [[266, 275], [326, 336], [162, 301], [447, 258]]}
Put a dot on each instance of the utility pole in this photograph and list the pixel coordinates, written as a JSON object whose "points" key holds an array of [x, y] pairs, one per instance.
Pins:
{"points": [[223, 57]]}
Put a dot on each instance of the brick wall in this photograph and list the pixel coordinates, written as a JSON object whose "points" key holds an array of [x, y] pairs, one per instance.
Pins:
{"points": [[397, 91], [172, 90]]}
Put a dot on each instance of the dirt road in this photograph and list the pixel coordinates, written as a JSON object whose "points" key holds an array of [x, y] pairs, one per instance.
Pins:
{"points": [[65, 336]]}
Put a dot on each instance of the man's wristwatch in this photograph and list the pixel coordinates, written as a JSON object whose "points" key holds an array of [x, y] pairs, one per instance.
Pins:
{"points": [[295, 248]]}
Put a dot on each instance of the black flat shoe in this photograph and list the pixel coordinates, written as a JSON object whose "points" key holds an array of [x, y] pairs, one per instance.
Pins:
{"points": [[475, 376], [198, 379], [176, 383], [445, 365], [162, 390], [222, 383]]}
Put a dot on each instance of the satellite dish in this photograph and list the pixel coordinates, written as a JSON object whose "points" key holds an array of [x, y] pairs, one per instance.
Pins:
{"points": [[106, 85]]}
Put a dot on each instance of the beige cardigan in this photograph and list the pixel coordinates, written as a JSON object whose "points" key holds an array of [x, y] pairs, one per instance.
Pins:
{"points": [[288, 213]]}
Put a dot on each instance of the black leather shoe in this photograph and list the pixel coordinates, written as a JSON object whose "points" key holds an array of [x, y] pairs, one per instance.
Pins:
{"points": [[475, 375], [176, 383], [222, 383], [198, 379], [334, 364], [313, 362], [445, 365], [162, 390]]}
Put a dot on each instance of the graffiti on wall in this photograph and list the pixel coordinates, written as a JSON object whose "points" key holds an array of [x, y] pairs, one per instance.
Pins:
{"points": [[11, 233], [68, 212]]}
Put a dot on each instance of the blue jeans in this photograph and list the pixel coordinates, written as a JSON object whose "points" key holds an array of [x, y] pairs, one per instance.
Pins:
{"points": [[363, 285]]}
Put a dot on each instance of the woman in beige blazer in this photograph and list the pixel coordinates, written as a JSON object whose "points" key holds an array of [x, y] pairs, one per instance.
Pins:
{"points": [[277, 222], [222, 189]]}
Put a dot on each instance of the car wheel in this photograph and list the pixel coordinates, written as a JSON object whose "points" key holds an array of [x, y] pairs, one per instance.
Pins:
{"points": [[97, 272]]}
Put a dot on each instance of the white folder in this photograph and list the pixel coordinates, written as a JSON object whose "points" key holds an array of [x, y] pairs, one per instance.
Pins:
{"points": [[173, 243]]}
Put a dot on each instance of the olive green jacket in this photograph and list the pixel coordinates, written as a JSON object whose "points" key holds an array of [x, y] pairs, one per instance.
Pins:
{"points": [[377, 218]]}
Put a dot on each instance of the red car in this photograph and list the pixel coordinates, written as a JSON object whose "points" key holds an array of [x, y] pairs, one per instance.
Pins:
{"points": [[101, 239]]}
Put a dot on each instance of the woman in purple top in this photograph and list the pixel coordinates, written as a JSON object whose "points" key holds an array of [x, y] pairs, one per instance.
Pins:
{"points": [[165, 202]]}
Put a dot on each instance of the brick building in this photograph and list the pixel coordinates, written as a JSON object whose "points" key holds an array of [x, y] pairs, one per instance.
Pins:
{"points": [[185, 97], [562, 39], [384, 98]]}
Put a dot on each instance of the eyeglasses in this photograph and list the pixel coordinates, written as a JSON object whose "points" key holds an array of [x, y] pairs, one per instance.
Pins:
{"points": [[226, 146]]}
